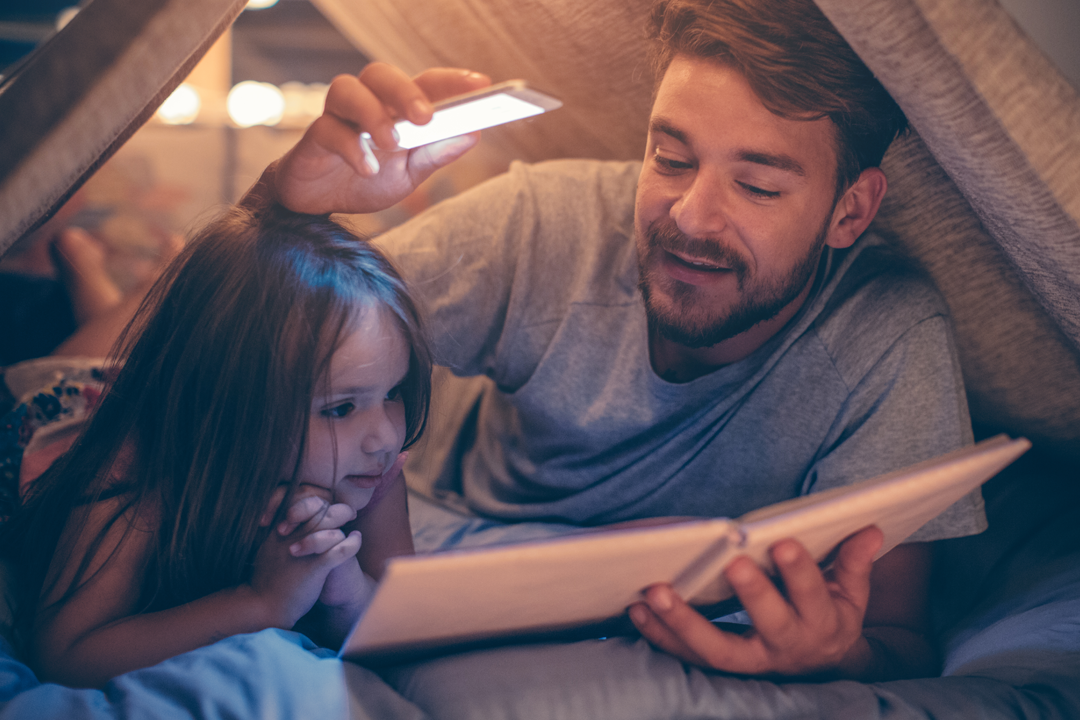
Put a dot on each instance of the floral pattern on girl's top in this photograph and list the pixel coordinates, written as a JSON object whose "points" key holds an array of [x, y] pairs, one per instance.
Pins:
{"points": [[66, 394]]}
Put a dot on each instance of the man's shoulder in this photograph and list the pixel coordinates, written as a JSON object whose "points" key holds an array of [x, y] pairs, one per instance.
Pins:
{"points": [[576, 183], [875, 297], [606, 172]]}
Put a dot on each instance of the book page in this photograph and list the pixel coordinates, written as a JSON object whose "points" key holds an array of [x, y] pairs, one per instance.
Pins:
{"points": [[425, 601], [447, 598], [899, 503]]}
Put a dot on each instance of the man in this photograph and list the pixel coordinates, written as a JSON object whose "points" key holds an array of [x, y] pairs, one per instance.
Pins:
{"points": [[701, 334]]}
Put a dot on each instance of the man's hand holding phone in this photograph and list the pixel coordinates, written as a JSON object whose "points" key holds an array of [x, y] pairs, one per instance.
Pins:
{"points": [[381, 134], [335, 168]]}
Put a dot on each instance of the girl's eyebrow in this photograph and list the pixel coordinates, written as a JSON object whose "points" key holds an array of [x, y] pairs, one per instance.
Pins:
{"points": [[364, 389], [354, 390]]}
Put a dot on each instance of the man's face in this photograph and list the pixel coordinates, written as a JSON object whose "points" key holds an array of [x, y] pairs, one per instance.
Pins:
{"points": [[733, 205]]}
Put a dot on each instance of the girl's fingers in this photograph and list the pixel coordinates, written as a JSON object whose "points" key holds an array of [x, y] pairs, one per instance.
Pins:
{"points": [[334, 545], [345, 549], [316, 543], [311, 514], [301, 512], [273, 505]]}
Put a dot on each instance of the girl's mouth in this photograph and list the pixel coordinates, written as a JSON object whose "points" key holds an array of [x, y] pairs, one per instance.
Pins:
{"points": [[365, 481]]}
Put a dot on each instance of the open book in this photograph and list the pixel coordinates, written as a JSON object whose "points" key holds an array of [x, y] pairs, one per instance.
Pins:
{"points": [[462, 597]]}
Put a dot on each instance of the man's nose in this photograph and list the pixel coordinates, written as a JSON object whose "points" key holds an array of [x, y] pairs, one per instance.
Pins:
{"points": [[701, 210]]}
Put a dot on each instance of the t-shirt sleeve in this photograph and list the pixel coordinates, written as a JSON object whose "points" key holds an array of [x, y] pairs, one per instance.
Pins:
{"points": [[908, 407], [498, 267], [460, 259]]}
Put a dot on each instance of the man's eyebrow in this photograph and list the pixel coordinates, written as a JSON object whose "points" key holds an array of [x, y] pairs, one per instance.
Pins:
{"points": [[780, 162], [660, 125]]}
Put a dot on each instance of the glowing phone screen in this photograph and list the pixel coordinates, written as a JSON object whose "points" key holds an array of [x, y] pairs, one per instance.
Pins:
{"points": [[465, 118]]}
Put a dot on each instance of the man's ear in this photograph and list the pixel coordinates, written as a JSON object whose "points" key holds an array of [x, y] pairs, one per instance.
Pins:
{"points": [[856, 208]]}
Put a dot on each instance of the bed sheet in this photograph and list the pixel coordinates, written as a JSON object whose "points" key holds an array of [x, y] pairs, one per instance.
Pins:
{"points": [[1014, 658], [270, 674], [1019, 661]]}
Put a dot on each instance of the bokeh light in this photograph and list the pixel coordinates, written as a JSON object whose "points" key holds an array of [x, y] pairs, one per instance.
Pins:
{"points": [[255, 103], [182, 107]]}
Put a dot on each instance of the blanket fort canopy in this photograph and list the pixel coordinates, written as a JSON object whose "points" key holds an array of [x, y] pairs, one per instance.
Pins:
{"points": [[82, 94]]}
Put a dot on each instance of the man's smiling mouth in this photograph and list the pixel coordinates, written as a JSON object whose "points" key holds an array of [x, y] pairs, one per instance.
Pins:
{"points": [[696, 264]]}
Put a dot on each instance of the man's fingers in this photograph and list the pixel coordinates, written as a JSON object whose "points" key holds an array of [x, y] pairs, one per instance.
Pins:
{"points": [[441, 83], [770, 612], [683, 631], [653, 629], [803, 581], [352, 100], [399, 97], [854, 562], [426, 159], [337, 137]]}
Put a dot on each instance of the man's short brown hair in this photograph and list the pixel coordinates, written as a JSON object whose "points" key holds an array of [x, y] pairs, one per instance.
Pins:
{"points": [[794, 59]]}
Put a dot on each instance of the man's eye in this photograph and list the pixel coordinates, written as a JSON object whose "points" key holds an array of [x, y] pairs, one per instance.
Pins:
{"points": [[667, 164], [338, 411], [758, 192]]}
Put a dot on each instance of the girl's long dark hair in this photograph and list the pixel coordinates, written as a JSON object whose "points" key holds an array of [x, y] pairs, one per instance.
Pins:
{"points": [[209, 410]]}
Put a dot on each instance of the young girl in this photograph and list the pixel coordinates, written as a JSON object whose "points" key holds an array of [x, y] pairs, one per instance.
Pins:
{"points": [[249, 441]]}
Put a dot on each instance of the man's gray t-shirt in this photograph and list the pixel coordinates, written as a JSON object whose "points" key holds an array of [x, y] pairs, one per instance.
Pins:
{"points": [[530, 284]]}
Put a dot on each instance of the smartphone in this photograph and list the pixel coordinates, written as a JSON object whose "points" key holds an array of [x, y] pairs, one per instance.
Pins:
{"points": [[462, 114]]}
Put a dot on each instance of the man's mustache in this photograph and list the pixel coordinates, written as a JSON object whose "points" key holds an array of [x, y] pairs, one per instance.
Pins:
{"points": [[669, 238]]}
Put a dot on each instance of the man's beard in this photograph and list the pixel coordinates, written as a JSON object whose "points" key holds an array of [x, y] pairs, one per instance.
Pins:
{"points": [[690, 322]]}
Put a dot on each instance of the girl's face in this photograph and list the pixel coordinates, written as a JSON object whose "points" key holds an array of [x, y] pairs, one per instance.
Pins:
{"points": [[359, 415]]}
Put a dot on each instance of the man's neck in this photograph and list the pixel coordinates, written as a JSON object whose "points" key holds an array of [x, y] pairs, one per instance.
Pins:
{"points": [[678, 363]]}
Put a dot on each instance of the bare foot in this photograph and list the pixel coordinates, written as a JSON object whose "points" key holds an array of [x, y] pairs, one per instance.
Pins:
{"points": [[81, 262], [99, 332]]}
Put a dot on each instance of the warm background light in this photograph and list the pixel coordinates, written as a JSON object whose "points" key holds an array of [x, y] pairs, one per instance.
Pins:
{"points": [[255, 103], [182, 107]]}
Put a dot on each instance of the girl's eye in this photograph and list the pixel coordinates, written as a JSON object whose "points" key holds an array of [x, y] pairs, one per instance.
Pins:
{"points": [[338, 411], [394, 394], [758, 192]]}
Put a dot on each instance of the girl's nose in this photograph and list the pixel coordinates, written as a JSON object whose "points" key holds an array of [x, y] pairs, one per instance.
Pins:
{"points": [[383, 435]]}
